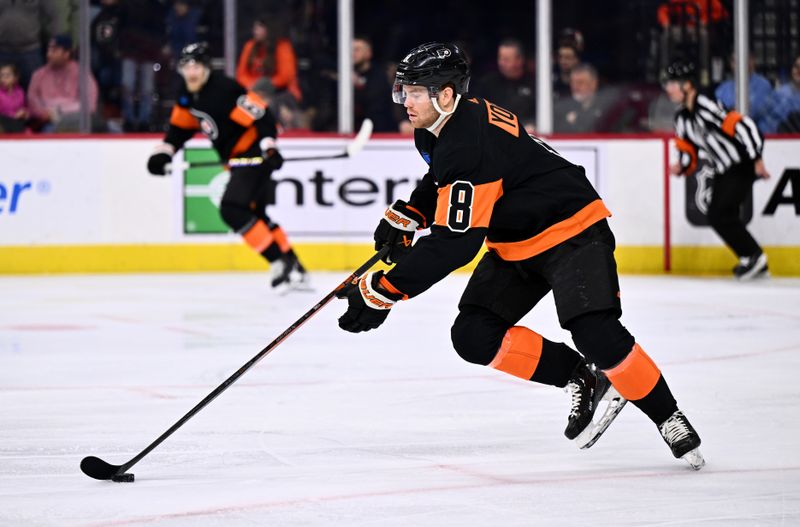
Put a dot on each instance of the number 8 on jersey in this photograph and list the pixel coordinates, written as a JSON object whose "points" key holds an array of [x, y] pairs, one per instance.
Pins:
{"points": [[459, 213]]}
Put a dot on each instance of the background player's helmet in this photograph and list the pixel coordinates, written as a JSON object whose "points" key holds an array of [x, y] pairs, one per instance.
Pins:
{"points": [[680, 70], [195, 52], [432, 65]]}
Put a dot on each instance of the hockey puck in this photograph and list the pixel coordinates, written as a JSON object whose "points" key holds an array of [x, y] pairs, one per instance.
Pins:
{"points": [[122, 478]]}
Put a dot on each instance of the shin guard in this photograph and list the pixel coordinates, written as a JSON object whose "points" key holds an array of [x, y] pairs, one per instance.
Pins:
{"points": [[519, 352], [636, 376]]}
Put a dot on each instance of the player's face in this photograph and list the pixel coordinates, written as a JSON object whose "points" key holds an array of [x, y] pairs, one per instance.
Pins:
{"points": [[674, 91], [419, 107], [195, 74]]}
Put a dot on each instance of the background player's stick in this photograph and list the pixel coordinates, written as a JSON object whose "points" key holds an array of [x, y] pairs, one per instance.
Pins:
{"points": [[96, 468], [354, 147]]}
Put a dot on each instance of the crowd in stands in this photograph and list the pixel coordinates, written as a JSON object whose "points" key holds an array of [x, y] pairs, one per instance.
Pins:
{"points": [[135, 45]]}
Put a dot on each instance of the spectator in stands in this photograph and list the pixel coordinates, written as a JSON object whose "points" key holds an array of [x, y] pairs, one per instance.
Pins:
{"points": [[106, 63], [182, 21], [372, 93], [23, 25], [760, 94], [142, 38], [567, 57], [13, 112], [283, 106], [511, 86], [53, 94], [268, 55], [787, 104], [586, 107], [675, 12]]}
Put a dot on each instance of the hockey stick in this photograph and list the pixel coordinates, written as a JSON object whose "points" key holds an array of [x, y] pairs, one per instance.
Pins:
{"points": [[355, 146], [96, 468]]}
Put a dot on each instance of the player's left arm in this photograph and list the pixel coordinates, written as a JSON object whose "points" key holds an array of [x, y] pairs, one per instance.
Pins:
{"points": [[252, 112]]}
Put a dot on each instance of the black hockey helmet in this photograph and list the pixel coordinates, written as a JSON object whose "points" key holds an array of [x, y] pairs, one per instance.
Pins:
{"points": [[680, 70], [432, 65], [195, 52]]}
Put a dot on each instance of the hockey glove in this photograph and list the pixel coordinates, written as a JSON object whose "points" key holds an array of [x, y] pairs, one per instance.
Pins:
{"points": [[159, 159], [273, 159], [397, 229], [368, 303]]}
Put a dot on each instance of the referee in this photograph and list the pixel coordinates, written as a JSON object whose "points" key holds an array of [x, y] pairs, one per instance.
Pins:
{"points": [[733, 145]]}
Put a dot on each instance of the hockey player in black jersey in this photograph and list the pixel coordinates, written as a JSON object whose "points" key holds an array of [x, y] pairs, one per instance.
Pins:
{"points": [[546, 230], [243, 132], [733, 145]]}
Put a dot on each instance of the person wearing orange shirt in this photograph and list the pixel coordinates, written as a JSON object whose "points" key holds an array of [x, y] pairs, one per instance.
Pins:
{"points": [[264, 55]]}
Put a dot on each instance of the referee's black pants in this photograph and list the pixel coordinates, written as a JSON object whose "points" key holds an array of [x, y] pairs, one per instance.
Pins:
{"points": [[729, 192]]}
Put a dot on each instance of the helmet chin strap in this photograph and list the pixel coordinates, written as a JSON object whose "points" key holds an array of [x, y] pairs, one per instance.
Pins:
{"points": [[442, 113]]}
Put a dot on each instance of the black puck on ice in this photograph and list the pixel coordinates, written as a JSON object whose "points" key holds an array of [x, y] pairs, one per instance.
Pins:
{"points": [[122, 478]]}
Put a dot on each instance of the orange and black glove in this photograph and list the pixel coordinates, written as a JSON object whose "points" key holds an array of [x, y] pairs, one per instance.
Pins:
{"points": [[368, 303], [396, 230]]}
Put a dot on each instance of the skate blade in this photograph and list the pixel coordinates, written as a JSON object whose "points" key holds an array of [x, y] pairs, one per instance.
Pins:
{"points": [[590, 434], [695, 459], [299, 287]]}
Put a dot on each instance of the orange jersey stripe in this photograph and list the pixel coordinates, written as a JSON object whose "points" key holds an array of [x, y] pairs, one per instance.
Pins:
{"points": [[258, 236], [636, 376], [519, 353], [730, 122], [245, 142], [480, 209], [182, 118], [553, 235], [251, 109]]}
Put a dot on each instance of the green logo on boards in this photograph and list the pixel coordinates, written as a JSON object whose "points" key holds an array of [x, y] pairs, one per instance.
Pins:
{"points": [[203, 185]]}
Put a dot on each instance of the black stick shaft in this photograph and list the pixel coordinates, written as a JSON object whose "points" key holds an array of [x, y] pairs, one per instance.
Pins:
{"points": [[200, 164], [261, 354]]}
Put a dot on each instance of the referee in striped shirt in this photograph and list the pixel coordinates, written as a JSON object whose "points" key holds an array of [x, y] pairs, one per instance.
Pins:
{"points": [[732, 144]]}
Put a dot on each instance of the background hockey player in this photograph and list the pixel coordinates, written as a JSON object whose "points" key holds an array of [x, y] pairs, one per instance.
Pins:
{"points": [[733, 144], [545, 227], [243, 133]]}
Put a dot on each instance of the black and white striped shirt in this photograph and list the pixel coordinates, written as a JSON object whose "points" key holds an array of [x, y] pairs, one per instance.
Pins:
{"points": [[724, 138]]}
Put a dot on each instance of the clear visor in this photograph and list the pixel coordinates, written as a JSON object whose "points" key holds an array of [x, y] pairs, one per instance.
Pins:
{"points": [[417, 94], [188, 64]]}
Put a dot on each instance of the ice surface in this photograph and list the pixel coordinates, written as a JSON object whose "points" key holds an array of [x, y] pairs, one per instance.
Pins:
{"points": [[389, 428]]}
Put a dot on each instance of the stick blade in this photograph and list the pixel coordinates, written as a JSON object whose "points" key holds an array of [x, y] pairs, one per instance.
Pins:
{"points": [[96, 468], [361, 138]]}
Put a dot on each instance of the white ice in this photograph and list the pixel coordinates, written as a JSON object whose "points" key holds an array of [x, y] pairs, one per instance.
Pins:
{"points": [[389, 428]]}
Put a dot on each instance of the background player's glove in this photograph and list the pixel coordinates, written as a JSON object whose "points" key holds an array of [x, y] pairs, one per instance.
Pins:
{"points": [[160, 158], [273, 159], [368, 303], [396, 229]]}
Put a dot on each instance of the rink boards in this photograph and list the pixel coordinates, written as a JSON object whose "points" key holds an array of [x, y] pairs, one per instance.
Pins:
{"points": [[88, 205]]}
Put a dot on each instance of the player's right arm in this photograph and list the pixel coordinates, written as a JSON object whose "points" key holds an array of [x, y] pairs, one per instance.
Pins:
{"points": [[182, 126]]}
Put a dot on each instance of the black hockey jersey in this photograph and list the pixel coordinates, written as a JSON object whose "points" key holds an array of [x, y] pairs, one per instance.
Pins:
{"points": [[230, 116], [488, 179]]}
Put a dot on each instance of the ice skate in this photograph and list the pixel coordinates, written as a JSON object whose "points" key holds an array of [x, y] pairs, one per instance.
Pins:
{"points": [[590, 390], [288, 274], [752, 267], [682, 439]]}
